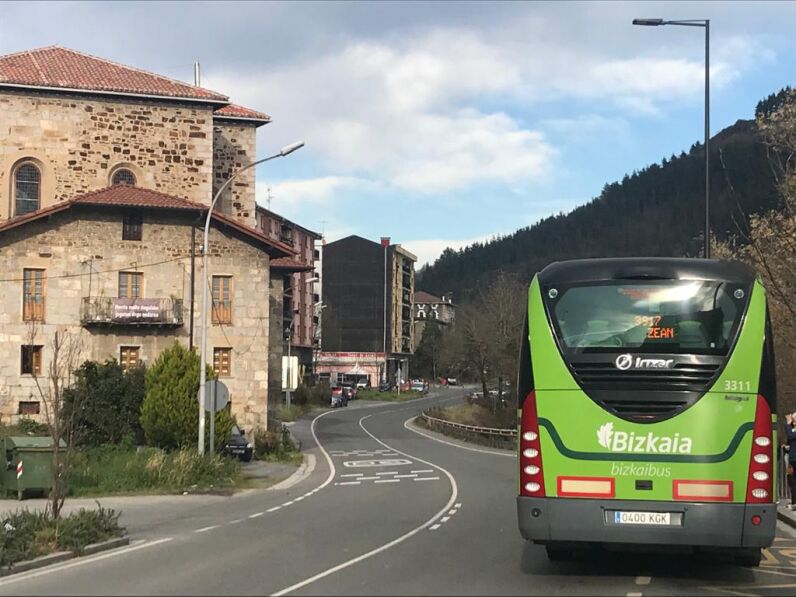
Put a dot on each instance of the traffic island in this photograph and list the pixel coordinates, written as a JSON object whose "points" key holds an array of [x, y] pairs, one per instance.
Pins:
{"points": [[30, 539]]}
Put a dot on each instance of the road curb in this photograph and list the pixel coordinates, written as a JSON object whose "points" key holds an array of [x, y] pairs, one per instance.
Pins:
{"points": [[789, 520], [62, 556]]}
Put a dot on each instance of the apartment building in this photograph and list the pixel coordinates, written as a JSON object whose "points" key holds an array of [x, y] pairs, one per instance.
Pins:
{"points": [[368, 290]]}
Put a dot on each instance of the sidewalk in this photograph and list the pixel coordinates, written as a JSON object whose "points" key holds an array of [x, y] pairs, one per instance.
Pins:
{"points": [[785, 515]]}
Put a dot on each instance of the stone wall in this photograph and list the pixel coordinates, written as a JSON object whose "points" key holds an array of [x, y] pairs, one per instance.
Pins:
{"points": [[77, 141], [234, 146], [276, 341], [82, 252]]}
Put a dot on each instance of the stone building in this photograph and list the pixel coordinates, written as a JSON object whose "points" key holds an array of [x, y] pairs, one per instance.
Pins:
{"points": [[430, 308], [106, 174], [293, 299]]}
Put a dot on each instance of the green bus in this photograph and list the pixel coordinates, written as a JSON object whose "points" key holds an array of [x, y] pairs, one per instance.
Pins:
{"points": [[647, 407]]}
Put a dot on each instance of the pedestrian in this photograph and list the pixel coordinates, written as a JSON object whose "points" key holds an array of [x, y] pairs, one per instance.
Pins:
{"points": [[790, 447]]}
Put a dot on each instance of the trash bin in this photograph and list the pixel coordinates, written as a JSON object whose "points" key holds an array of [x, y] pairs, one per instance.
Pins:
{"points": [[29, 464]]}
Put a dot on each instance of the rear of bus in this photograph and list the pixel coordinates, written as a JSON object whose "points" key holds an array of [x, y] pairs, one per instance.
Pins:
{"points": [[647, 407]]}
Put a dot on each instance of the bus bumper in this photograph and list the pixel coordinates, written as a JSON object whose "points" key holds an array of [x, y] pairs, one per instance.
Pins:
{"points": [[544, 520]]}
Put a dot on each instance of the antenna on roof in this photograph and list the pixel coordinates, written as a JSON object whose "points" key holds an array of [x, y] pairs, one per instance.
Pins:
{"points": [[323, 228], [196, 74], [268, 199]]}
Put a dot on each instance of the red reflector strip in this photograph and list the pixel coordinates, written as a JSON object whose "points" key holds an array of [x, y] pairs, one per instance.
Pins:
{"points": [[702, 491], [586, 487]]}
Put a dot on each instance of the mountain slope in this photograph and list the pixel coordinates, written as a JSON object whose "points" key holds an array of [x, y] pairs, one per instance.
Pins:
{"points": [[656, 212]]}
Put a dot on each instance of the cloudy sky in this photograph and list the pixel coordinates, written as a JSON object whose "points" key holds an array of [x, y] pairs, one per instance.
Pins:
{"points": [[439, 124]]}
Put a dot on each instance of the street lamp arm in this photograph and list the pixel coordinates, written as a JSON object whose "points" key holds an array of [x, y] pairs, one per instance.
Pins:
{"points": [[690, 23]]}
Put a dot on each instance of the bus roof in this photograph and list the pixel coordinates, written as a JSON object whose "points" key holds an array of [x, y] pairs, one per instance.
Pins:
{"points": [[646, 268]]}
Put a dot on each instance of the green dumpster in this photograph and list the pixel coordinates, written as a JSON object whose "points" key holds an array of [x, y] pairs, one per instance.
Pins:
{"points": [[29, 464]]}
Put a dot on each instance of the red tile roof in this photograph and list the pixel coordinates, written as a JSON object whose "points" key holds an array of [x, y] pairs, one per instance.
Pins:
{"points": [[129, 196], [57, 67], [237, 112], [422, 296], [290, 264]]}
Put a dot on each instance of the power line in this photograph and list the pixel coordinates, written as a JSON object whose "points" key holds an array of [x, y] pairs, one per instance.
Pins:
{"points": [[132, 264]]}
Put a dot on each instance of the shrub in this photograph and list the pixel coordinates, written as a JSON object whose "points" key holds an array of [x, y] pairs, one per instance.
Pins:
{"points": [[31, 427], [25, 535], [105, 403], [170, 413], [275, 442]]}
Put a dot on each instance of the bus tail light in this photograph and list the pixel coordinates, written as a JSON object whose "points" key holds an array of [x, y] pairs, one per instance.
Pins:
{"points": [[598, 487], [702, 491], [759, 483], [530, 449]]}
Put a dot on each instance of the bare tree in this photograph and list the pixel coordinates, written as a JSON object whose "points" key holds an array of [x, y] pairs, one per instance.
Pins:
{"points": [[65, 351], [770, 244]]}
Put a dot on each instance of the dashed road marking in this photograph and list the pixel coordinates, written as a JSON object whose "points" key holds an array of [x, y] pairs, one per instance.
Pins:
{"points": [[427, 479], [405, 476], [290, 503], [458, 505], [420, 472], [452, 512], [434, 527], [349, 483], [444, 519], [388, 473], [353, 475], [256, 514], [274, 509], [635, 594], [236, 521], [388, 481], [377, 463], [205, 529]]}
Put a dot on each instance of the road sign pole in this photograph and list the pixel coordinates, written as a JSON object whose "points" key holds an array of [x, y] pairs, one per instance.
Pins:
{"points": [[213, 417]]}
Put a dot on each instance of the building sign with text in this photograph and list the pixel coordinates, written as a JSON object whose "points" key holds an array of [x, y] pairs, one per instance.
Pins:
{"points": [[134, 310]]}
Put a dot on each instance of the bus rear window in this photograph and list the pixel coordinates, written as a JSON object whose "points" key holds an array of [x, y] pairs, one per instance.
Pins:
{"points": [[687, 317]]}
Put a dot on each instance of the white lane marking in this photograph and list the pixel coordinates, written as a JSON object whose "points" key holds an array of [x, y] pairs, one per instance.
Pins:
{"points": [[256, 515], [469, 449], [434, 527], [427, 479], [349, 483], [236, 521], [459, 505], [83, 561], [304, 471], [205, 529], [444, 519], [290, 503], [376, 463], [423, 471], [643, 580], [390, 473], [635, 594], [299, 498], [274, 509], [353, 475], [394, 542], [388, 481], [452, 512], [405, 476]]}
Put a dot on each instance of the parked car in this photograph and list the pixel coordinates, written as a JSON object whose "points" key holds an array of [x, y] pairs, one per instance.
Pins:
{"points": [[351, 391], [385, 386], [452, 381], [363, 384], [339, 397], [418, 385], [238, 446]]}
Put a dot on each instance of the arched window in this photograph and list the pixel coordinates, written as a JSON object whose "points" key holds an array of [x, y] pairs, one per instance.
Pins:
{"points": [[123, 176], [27, 188]]}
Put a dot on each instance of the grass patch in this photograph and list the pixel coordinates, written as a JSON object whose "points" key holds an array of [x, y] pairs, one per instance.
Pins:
{"points": [[476, 415], [26, 535], [24, 427], [295, 412], [117, 470], [391, 396]]}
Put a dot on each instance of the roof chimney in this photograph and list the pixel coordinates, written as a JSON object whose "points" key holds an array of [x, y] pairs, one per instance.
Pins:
{"points": [[196, 74]]}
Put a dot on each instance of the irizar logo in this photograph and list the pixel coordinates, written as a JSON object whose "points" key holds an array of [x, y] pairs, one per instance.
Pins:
{"points": [[626, 361], [621, 441]]}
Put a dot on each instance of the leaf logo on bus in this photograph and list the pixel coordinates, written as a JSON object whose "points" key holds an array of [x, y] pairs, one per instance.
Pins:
{"points": [[621, 441]]}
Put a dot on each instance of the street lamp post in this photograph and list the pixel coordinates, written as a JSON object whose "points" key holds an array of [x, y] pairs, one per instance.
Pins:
{"points": [[704, 23], [288, 149]]}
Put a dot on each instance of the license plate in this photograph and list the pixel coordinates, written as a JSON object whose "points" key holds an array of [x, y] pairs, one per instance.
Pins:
{"points": [[651, 518]]}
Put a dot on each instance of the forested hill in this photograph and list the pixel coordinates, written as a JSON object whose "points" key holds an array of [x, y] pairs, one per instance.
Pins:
{"points": [[656, 212]]}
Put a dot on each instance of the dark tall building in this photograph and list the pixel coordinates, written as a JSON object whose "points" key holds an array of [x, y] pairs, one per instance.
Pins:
{"points": [[359, 336]]}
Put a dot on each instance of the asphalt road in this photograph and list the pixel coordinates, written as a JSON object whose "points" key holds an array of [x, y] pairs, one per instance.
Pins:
{"points": [[386, 510]]}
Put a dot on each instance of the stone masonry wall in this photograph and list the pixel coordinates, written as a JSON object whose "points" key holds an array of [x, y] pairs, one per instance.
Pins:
{"points": [[235, 147], [78, 242], [77, 141]]}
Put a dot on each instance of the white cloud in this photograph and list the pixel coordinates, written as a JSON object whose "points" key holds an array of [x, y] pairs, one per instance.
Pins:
{"points": [[427, 251], [303, 191]]}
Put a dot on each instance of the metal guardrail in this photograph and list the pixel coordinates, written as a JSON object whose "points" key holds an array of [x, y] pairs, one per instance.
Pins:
{"points": [[482, 430]]}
